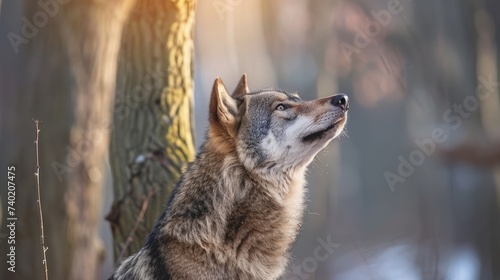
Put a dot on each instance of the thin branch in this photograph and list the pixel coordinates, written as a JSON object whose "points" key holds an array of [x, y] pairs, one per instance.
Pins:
{"points": [[139, 220], [39, 202]]}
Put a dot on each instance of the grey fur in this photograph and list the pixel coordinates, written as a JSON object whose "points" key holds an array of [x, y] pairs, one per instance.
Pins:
{"points": [[237, 209]]}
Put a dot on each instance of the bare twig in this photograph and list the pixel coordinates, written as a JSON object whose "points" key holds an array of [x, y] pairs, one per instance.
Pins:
{"points": [[39, 202], [139, 220]]}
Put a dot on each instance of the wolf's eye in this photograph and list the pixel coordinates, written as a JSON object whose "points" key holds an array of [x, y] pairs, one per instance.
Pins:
{"points": [[280, 107]]}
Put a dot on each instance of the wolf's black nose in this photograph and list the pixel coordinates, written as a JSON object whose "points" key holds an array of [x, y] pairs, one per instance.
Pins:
{"points": [[341, 100]]}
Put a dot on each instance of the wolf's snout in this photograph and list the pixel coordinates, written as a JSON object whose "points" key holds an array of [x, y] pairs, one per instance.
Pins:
{"points": [[340, 100]]}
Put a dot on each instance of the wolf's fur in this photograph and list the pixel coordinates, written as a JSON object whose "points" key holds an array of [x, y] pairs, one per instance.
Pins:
{"points": [[237, 209]]}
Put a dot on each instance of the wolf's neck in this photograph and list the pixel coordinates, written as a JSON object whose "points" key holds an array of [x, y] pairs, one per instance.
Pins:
{"points": [[274, 178], [279, 185]]}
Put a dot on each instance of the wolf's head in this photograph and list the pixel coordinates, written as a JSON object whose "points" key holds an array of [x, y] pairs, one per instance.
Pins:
{"points": [[272, 129]]}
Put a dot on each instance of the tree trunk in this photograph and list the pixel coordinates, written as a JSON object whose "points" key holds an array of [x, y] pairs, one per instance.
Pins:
{"points": [[67, 81], [152, 137]]}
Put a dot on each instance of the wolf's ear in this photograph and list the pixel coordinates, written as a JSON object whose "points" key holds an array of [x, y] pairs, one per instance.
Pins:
{"points": [[223, 108], [242, 87]]}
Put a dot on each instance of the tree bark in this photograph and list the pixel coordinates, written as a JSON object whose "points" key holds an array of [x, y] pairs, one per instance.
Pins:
{"points": [[152, 137], [67, 81]]}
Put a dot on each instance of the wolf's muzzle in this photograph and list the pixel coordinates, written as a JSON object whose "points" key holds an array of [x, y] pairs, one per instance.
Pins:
{"points": [[341, 100]]}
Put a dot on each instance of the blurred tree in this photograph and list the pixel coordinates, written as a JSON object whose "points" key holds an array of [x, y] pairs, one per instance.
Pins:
{"points": [[153, 132], [66, 67], [458, 41]]}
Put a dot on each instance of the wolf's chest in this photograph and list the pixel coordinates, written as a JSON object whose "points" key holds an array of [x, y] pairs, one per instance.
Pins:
{"points": [[259, 232], [263, 227]]}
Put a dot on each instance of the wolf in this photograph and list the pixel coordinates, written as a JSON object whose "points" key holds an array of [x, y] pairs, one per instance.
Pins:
{"points": [[237, 208]]}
